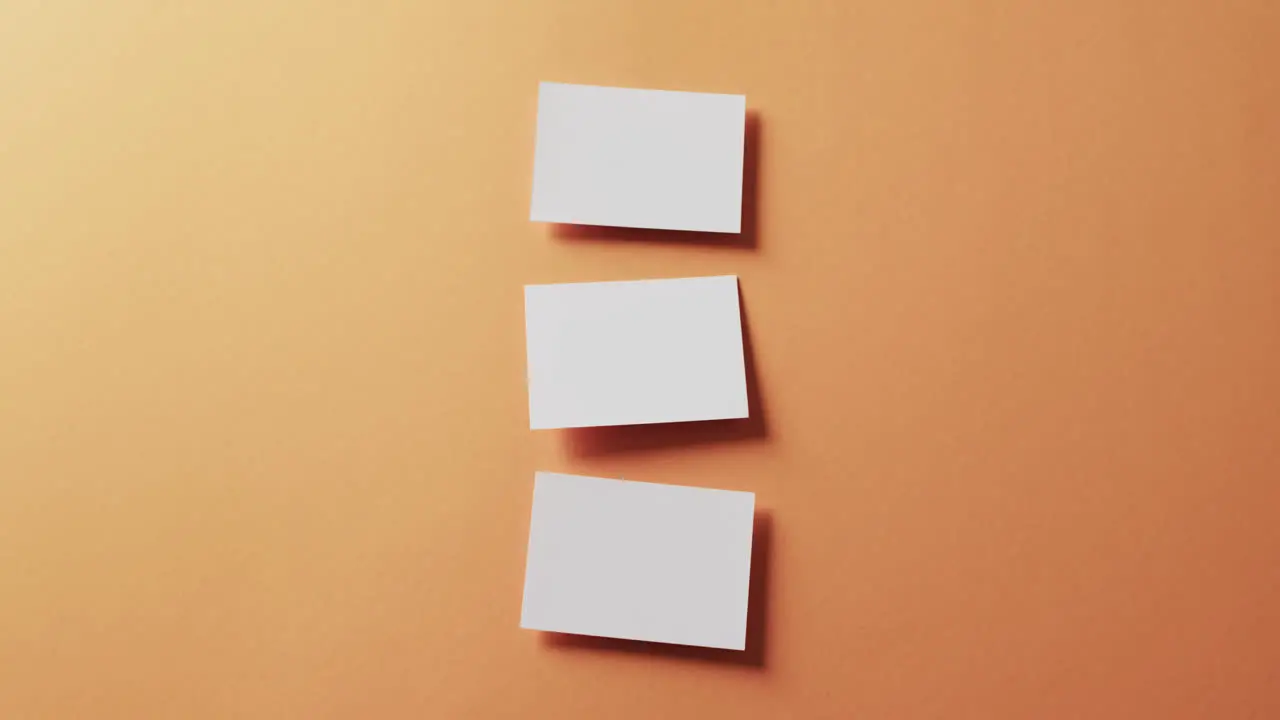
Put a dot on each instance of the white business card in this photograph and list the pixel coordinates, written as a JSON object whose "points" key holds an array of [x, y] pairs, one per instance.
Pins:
{"points": [[634, 352], [638, 158], [638, 561]]}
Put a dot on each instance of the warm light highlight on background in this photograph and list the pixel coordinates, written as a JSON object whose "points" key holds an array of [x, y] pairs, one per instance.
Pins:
{"points": [[1013, 300]]}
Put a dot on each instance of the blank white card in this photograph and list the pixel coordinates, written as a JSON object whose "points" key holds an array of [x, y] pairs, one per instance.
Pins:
{"points": [[638, 561], [634, 352], [639, 158]]}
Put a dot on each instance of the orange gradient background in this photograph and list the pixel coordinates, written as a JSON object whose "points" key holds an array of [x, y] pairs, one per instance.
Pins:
{"points": [[1012, 286]]}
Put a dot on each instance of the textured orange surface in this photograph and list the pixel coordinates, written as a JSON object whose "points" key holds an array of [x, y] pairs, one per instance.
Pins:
{"points": [[1012, 290]]}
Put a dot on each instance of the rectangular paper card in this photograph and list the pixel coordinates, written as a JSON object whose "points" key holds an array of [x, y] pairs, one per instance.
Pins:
{"points": [[634, 352], [638, 561], [639, 158]]}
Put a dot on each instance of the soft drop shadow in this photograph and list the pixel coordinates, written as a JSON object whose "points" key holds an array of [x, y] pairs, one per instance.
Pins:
{"points": [[615, 439], [747, 239], [753, 656]]}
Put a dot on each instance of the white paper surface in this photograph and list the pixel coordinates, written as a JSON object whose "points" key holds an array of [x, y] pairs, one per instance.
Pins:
{"points": [[638, 158], [639, 561], [634, 352]]}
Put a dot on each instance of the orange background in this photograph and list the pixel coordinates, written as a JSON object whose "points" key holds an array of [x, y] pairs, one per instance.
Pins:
{"points": [[1012, 294]]}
